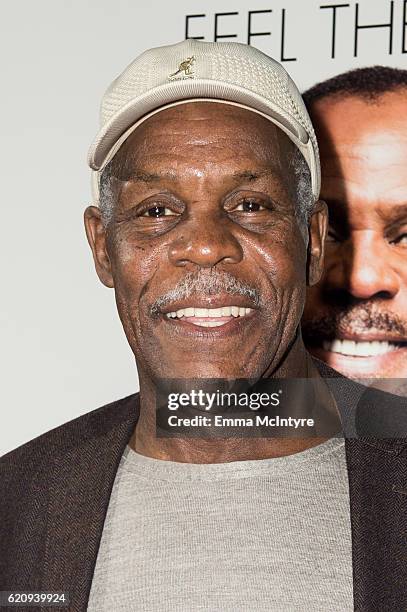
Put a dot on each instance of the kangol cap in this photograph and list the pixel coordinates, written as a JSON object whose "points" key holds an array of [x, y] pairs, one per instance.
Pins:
{"points": [[194, 70]]}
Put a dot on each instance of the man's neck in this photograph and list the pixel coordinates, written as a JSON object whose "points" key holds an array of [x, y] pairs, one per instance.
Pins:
{"points": [[197, 450]]}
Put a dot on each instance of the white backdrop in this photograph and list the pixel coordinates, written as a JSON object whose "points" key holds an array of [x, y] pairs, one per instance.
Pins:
{"points": [[63, 352]]}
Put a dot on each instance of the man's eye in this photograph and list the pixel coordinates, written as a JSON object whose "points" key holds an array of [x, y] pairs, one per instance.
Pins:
{"points": [[158, 211], [401, 240], [249, 206]]}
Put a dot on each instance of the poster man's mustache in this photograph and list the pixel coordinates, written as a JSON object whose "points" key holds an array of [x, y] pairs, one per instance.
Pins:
{"points": [[356, 319]]}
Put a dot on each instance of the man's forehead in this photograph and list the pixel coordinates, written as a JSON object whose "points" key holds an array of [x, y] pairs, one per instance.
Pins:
{"points": [[350, 117], [381, 155], [200, 123], [163, 146], [147, 177]]}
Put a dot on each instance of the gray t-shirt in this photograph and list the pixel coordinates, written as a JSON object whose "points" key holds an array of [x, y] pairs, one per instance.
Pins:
{"points": [[265, 535]]}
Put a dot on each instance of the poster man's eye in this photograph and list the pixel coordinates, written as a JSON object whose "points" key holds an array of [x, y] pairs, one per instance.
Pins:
{"points": [[401, 240]]}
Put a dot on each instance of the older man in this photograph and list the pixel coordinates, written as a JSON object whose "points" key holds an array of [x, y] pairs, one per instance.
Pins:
{"points": [[356, 318], [208, 227]]}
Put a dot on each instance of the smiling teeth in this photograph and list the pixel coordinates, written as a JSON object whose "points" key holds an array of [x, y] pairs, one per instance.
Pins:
{"points": [[203, 313], [359, 349]]}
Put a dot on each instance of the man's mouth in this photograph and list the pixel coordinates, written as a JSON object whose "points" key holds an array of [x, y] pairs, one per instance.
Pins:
{"points": [[355, 348], [209, 317], [363, 341], [361, 358]]}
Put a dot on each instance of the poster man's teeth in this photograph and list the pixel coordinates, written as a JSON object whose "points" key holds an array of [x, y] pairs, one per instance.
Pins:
{"points": [[204, 313], [359, 349]]}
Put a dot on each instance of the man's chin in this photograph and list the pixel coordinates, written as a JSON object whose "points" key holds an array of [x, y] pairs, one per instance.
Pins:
{"points": [[392, 364], [211, 347], [204, 372]]}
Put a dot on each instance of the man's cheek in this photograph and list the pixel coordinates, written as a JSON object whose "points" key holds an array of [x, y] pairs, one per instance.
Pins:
{"points": [[314, 303], [131, 267], [126, 281], [314, 293], [128, 285], [283, 257], [288, 273]]}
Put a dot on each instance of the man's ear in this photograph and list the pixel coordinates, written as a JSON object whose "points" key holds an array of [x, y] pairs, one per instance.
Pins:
{"points": [[318, 226], [96, 235]]}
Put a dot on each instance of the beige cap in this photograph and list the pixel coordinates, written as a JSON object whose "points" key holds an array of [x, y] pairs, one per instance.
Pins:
{"points": [[194, 70]]}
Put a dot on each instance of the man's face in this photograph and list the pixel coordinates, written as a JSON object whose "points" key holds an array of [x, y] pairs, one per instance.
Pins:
{"points": [[356, 318], [204, 250]]}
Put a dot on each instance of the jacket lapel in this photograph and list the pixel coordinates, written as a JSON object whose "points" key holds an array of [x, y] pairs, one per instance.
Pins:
{"points": [[80, 485], [377, 471]]}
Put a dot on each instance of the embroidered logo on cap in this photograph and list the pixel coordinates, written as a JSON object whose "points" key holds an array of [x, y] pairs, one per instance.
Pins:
{"points": [[185, 70]]}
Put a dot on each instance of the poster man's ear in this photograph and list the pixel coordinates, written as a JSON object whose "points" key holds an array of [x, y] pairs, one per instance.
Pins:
{"points": [[318, 227]]}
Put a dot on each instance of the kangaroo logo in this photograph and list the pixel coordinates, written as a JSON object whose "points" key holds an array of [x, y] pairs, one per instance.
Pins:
{"points": [[184, 70]]}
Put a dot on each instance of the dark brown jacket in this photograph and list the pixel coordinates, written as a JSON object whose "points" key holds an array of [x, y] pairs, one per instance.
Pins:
{"points": [[55, 490]]}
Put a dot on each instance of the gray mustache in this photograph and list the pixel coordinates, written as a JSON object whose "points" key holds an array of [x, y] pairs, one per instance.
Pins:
{"points": [[205, 283]]}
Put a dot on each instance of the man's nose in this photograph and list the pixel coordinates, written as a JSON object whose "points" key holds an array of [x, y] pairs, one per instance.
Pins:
{"points": [[363, 268], [205, 242]]}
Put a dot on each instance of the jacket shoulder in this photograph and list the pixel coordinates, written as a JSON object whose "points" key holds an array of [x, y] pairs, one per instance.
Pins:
{"points": [[37, 453], [27, 477]]}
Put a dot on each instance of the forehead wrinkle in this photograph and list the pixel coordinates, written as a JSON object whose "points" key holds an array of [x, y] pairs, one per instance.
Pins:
{"points": [[253, 175], [149, 178], [143, 176]]}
